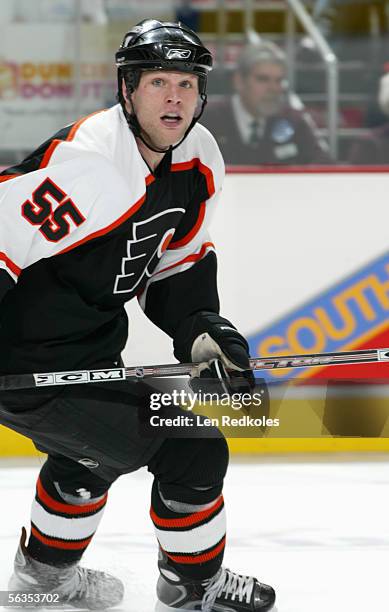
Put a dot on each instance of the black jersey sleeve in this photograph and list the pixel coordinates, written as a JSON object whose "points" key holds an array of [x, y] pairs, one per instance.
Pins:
{"points": [[6, 283], [171, 300]]}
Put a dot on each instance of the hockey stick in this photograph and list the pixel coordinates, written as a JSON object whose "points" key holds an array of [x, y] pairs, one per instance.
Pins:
{"points": [[48, 379]]}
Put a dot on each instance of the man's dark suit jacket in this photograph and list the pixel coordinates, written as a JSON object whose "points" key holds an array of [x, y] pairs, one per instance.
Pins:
{"points": [[288, 138]]}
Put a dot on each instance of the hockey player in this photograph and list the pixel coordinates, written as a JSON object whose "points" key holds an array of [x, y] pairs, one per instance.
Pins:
{"points": [[114, 207]]}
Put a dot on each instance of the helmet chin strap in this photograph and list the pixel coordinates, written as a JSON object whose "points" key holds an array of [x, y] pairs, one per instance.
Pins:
{"points": [[135, 126]]}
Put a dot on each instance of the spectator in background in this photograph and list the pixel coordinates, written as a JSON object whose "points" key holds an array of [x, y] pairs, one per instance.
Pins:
{"points": [[44, 11], [373, 149], [258, 125]]}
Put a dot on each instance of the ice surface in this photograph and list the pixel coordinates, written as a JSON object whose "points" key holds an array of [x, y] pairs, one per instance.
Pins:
{"points": [[317, 530]]}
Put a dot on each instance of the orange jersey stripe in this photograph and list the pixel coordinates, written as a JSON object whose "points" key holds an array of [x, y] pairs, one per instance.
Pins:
{"points": [[190, 258], [149, 179], [78, 123], [8, 177], [183, 241], [10, 264], [54, 144], [49, 152], [179, 167], [107, 229]]}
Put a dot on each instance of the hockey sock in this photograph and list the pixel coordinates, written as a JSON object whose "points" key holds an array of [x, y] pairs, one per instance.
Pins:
{"points": [[63, 523], [191, 535]]}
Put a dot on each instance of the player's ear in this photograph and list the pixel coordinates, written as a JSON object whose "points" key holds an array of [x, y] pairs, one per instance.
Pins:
{"points": [[124, 91]]}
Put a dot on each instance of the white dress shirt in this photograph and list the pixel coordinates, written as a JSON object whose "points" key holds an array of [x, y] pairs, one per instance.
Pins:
{"points": [[244, 120]]}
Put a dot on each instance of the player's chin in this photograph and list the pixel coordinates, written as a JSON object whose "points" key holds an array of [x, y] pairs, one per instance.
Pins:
{"points": [[171, 137]]}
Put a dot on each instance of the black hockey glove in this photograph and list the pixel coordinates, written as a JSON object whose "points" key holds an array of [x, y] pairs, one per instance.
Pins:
{"points": [[222, 353]]}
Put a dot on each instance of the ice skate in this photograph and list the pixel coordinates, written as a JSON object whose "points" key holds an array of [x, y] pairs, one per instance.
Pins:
{"points": [[76, 586], [225, 592]]}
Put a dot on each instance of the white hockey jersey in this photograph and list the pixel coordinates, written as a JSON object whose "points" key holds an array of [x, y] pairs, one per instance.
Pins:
{"points": [[85, 226]]}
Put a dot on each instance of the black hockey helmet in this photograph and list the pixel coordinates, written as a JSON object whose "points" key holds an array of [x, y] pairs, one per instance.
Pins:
{"points": [[161, 45]]}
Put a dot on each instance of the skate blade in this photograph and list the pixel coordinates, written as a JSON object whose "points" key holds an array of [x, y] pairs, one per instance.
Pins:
{"points": [[161, 607]]}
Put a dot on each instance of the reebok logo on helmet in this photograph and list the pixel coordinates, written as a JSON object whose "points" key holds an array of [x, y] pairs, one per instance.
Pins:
{"points": [[178, 54]]}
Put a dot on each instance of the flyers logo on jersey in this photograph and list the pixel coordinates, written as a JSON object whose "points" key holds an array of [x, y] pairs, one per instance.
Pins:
{"points": [[150, 239]]}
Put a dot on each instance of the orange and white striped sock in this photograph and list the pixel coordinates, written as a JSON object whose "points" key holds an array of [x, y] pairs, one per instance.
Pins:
{"points": [[193, 541], [62, 526]]}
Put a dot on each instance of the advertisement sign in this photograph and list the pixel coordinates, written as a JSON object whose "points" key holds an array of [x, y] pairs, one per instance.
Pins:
{"points": [[303, 267], [352, 314], [38, 90]]}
